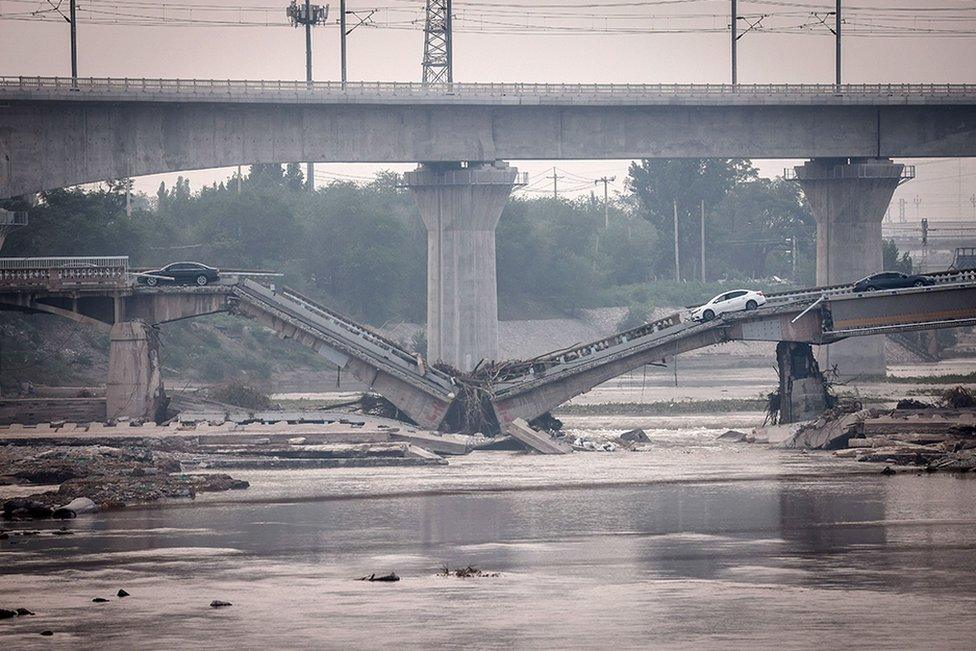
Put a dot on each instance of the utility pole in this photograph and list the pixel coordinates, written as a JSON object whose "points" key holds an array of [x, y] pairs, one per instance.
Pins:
{"points": [[837, 59], [793, 254], [918, 206], [74, 46], [735, 39], [342, 40], [972, 200], [677, 263], [555, 178], [703, 240], [606, 198], [238, 179], [308, 15]]}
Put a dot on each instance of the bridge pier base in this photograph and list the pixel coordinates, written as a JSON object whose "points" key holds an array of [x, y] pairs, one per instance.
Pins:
{"points": [[849, 198], [802, 395], [135, 387], [460, 207]]}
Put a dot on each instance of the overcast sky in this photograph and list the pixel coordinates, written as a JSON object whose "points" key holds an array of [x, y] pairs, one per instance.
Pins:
{"points": [[636, 41]]}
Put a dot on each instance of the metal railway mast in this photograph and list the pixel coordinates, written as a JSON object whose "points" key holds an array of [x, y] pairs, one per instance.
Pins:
{"points": [[438, 64]]}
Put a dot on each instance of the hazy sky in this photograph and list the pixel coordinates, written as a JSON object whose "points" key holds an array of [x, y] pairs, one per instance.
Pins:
{"points": [[637, 41]]}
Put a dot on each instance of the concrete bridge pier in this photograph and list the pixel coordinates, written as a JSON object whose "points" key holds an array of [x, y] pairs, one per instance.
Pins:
{"points": [[460, 206], [849, 197], [135, 387], [802, 394]]}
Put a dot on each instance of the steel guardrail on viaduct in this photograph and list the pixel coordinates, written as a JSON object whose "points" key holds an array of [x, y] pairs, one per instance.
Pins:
{"points": [[395, 92]]}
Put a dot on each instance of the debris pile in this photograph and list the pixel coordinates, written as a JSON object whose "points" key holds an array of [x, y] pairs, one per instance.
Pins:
{"points": [[467, 572], [940, 437]]}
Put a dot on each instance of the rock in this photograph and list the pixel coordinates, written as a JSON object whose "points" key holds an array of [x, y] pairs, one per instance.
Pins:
{"points": [[887, 471], [7, 614], [911, 403], [23, 509], [121, 593], [216, 603], [47, 633], [76, 507], [99, 600], [388, 578], [23, 612], [635, 436]]}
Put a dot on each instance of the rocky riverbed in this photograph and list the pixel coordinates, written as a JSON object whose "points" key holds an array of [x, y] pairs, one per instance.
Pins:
{"points": [[110, 477]]}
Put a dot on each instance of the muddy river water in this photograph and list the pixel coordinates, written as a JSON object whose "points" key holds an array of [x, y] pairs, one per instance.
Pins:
{"points": [[697, 543]]}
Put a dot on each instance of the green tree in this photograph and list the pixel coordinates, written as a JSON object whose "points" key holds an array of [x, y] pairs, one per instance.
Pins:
{"points": [[751, 231], [658, 185], [892, 261], [79, 222]]}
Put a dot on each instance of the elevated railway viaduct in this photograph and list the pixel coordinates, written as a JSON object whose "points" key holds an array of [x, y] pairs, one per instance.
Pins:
{"points": [[55, 132]]}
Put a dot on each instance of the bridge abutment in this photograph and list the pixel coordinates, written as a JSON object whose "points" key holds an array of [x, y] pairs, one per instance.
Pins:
{"points": [[134, 388], [460, 207], [849, 198]]}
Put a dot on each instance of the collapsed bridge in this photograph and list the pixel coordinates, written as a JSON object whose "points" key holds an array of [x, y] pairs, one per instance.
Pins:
{"points": [[102, 292]]}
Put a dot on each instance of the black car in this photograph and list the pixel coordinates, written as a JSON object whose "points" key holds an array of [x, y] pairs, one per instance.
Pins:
{"points": [[181, 273], [891, 280]]}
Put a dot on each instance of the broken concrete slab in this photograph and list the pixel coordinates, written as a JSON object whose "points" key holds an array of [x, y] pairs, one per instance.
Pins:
{"points": [[540, 442], [829, 432], [774, 434], [417, 452], [440, 443]]}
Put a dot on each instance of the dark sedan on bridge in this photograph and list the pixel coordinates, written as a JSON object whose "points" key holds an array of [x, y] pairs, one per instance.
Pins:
{"points": [[180, 273], [891, 280]]}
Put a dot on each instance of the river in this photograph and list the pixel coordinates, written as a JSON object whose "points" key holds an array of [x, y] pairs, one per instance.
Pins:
{"points": [[697, 543]]}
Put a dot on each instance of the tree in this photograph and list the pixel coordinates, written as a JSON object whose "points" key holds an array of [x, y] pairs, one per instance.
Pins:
{"points": [[891, 261], [294, 179], [79, 222], [751, 231], [657, 185]]}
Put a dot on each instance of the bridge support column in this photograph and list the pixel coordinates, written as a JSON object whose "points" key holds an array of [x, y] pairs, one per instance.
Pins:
{"points": [[460, 207], [802, 395], [849, 198], [134, 388]]}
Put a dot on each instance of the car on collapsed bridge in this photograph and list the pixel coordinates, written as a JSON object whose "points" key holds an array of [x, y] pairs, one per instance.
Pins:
{"points": [[180, 273], [891, 280], [733, 301]]}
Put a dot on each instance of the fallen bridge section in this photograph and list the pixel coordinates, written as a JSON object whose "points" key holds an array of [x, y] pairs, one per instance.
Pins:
{"points": [[817, 316], [403, 378], [101, 292]]}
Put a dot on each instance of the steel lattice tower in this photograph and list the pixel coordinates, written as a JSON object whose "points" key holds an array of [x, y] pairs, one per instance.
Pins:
{"points": [[438, 64]]}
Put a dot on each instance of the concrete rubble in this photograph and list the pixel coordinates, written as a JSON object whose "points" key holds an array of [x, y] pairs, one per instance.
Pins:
{"points": [[936, 437], [82, 467]]}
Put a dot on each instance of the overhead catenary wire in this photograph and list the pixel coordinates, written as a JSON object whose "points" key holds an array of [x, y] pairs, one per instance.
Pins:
{"points": [[583, 19]]}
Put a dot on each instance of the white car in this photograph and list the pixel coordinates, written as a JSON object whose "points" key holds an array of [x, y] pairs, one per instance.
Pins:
{"points": [[734, 301]]}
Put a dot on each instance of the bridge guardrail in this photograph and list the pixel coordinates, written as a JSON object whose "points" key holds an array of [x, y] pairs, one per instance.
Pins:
{"points": [[65, 272], [348, 332], [243, 88]]}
